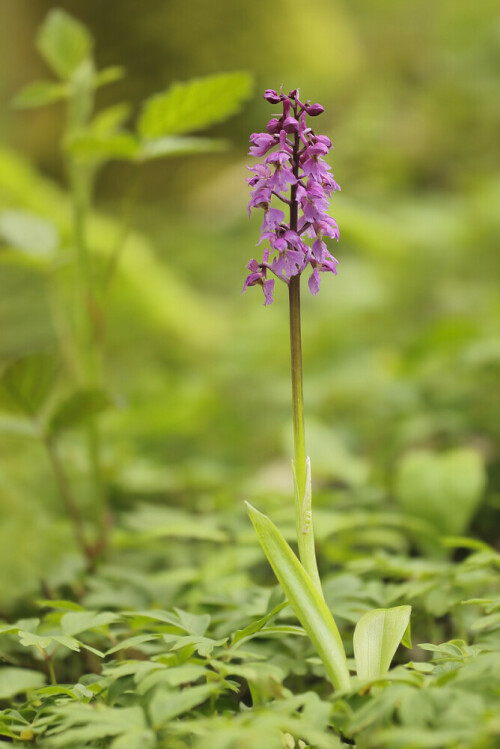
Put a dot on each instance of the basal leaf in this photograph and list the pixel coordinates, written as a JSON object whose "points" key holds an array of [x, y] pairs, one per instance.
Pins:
{"points": [[376, 638], [194, 105], [64, 43], [303, 596]]}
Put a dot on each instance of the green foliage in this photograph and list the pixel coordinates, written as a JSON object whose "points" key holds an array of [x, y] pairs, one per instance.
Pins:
{"points": [[64, 43], [187, 107], [444, 490], [177, 638]]}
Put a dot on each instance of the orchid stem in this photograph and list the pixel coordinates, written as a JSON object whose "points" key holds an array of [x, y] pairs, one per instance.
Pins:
{"points": [[305, 532]]}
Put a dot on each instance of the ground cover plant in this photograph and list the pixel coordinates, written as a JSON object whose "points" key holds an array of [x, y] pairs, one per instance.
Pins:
{"points": [[138, 609]]}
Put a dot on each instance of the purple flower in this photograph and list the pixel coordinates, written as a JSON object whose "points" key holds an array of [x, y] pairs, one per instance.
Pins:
{"points": [[297, 174], [262, 142]]}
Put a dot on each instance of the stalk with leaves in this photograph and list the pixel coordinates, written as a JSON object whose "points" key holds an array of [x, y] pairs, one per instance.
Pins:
{"points": [[76, 390], [295, 173]]}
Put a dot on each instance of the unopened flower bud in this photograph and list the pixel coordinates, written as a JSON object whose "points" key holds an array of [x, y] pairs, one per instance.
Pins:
{"points": [[314, 109], [271, 96]]}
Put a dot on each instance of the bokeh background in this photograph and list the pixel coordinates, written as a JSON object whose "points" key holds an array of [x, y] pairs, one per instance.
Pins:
{"points": [[401, 350]]}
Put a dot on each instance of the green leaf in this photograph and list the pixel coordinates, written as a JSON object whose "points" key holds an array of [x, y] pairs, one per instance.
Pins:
{"points": [[376, 638], [64, 43], [166, 705], [81, 621], [92, 147], [191, 106], [16, 680], [40, 93], [444, 489], [77, 408], [256, 626], [28, 233], [179, 146], [109, 75], [303, 596], [26, 384]]}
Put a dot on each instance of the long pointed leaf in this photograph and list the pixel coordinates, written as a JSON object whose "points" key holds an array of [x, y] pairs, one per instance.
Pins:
{"points": [[307, 603]]}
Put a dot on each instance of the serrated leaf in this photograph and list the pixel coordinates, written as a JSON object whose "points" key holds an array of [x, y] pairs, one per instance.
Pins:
{"points": [[376, 638], [76, 409], [40, 93], [14, 681], [179, 146], [303, 596], [28, 233], [64, 43], [191, 106]]}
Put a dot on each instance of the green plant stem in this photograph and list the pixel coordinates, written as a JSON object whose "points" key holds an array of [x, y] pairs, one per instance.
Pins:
{"points": [[90, 330], [67, 498], [52, 673], [305, 533]]}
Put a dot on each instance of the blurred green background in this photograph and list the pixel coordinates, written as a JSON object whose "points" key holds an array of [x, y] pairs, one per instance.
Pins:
{"points": [[401, 350]]}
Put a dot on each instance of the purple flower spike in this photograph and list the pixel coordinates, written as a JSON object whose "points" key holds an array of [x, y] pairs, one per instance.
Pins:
{"points": [[294, 172]]}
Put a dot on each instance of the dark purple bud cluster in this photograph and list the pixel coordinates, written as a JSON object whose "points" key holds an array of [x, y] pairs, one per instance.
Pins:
{"points": [[297, 175]]}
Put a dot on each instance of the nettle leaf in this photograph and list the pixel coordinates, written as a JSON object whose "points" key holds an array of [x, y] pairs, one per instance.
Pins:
{"points": [[64, 43], [17, 680], [179, 146], [376, 638], [40, 93], [26, 384], [194, 105], [29, 233], [307, 603], [77, 408]]}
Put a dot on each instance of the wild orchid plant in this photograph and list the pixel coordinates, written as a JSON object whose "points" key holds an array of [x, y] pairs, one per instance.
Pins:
{"points": [[295, 173]]}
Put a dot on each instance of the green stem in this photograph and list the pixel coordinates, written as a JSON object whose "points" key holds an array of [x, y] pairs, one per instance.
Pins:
{"points": [[67, 497], [305, 533], [304, 528]]}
